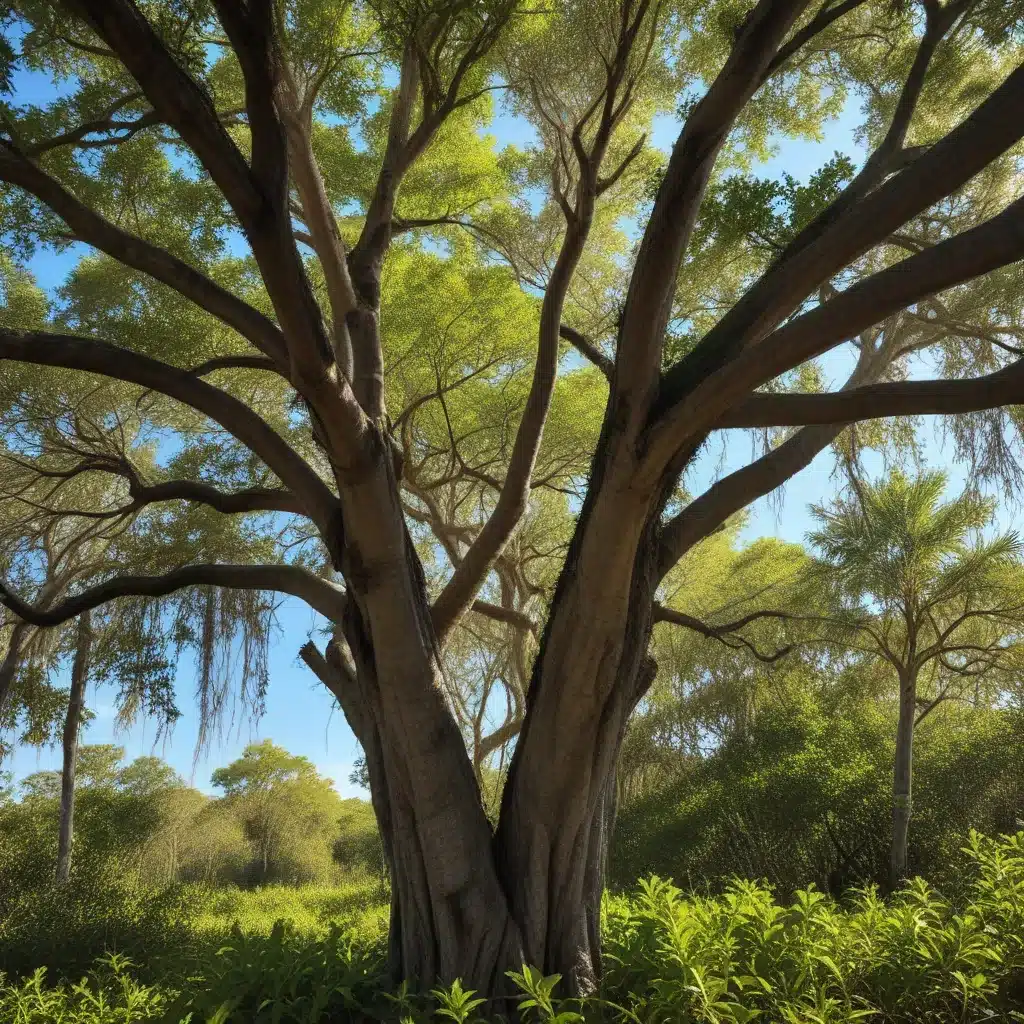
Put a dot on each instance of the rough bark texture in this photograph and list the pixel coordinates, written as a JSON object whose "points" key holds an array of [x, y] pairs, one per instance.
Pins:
{"points": [[72, 727], [449, 914], [902, 779]]}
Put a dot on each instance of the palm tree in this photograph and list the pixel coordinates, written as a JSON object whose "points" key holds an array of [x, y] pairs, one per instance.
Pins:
{"points": [[918, 585]]}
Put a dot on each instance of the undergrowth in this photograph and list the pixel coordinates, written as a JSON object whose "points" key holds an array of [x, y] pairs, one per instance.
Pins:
{"points": [[919, 956]]}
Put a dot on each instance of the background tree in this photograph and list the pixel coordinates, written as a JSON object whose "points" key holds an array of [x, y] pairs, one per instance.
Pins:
{"points": [[72, 728], [245, 292], [923, 591], [288, 811]]}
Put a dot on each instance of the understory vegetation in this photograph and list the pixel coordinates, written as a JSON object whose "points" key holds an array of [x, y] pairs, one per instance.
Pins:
{"points": [[309, 954]]}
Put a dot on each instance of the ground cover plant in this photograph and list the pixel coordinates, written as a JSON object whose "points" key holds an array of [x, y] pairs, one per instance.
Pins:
{"points": [[735, 957]]}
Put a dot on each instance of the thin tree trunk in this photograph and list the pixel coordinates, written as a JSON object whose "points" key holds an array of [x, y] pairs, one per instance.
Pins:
{"points": [[12, 659], [72, 727], [902, 779]]}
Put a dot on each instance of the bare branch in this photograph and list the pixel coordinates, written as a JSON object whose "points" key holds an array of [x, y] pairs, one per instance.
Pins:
{"points": [[326, 598], [726, 633], [233, 363], [508, 615], [587, 348]]}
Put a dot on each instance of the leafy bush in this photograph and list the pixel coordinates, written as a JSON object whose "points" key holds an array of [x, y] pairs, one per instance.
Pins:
{"points": [[805, 797], [743, 956], [918, 957], [108, 994], [66, 927]]}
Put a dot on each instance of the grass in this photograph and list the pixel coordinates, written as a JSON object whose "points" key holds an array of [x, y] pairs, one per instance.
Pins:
{"points": [[919, 957], [360, 902]]}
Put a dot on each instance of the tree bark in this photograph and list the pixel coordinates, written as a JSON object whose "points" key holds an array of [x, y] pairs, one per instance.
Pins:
{"points": [[557, 805], [449, 913], [902, 779], [72, 726], [12, 659]]}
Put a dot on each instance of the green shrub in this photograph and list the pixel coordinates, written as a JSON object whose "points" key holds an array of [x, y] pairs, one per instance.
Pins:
{"points": [[919, 957], [805, 797], [743, 956], [108, 994]]}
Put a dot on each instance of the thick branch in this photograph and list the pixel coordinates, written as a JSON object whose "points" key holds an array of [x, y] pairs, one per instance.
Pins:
{"points": [[252, 499], [513, 498], [993, 244], [233, 363], [706, 514], [508, 615], [324, 234], [668, 231], [135, 252], [326, 598], [875, 401], [587, 349], [122, 364], [982, 137], [176, 98]]}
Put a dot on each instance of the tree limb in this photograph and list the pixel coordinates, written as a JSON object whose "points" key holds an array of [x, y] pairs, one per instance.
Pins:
{"points": [[726, 633], [652, 283], [508, 615], [587, 348], [234, 416], [993, 244], [875, 401], [326, 598], [88, 226], [978, 140]]}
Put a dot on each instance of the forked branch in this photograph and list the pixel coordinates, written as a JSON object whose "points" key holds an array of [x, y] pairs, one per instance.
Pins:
{"points": [[727, 633], [234, 416]]}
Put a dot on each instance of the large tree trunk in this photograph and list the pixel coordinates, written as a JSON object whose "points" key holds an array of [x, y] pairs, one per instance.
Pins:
{"points": [[902, 779], [72, 727], [558, 802], [450, 916], [466, 904]]}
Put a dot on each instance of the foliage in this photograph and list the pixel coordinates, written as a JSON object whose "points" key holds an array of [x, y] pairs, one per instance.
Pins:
{"points": [[743, 956], [921, 956], [325, 341], [290, 815], [139, 823], [803, 796]]}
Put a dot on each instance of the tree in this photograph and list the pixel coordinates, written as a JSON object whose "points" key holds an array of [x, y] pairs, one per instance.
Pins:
{"points": [[187, 127], [288, 811], [147, 775], [943, 609], [72, 727]]}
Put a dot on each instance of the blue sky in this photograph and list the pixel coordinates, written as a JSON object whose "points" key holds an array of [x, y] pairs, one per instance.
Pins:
{"points": [[299, 712]]}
